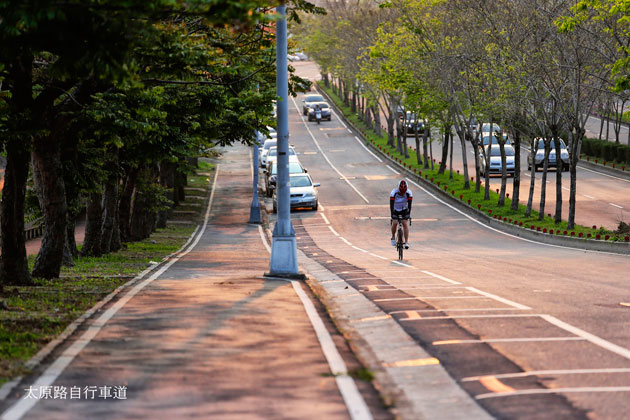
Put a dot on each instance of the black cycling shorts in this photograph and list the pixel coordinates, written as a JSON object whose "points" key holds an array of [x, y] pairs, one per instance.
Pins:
{"points": [[403, 213]]}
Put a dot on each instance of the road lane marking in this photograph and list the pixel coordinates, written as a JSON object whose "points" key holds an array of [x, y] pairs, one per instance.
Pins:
{"points": [[428, 297], [372, 318], [459, 310], [603, 174], [413, 363], [495, 385], [333, 230], [412, 315], [358, 249], [622, 351], [50, 375], [550, 372], [325, 218], [588, 196], [437, 276], [328, 160], [615, 205], [553, 391], [502, 340], [393, 170], [500, 299], [366, 148], [378, 256]]}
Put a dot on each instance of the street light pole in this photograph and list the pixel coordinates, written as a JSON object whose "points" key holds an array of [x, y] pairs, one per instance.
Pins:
{"points": [[284, 246], [254, 209]]}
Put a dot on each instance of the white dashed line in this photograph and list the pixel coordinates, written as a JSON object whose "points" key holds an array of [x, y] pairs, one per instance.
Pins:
{"points": [[393, 170], [324, 217], [366, 148], [615, 205]]}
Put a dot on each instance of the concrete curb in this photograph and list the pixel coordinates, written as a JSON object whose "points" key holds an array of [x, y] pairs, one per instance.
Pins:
{"points": [[545, 238]]}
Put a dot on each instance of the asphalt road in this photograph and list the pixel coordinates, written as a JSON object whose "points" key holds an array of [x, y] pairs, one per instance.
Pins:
{"points": [[528, 330]]}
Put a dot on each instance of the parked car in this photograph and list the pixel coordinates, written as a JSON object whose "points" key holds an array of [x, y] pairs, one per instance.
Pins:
{"points": [[308, 99], [495, 140], [553, 162], [413, 125], [272, 132], [301, 56], [303, 192], [326, 114], [271, 174], [272, 156], [495, 160], [265, 150], [485, 128]]}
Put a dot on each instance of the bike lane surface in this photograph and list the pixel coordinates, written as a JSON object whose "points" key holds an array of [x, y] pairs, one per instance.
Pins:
{"points": [[208, 338]]}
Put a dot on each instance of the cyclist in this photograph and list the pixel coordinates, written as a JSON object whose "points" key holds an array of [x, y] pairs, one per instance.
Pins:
{"points": [[400, 204]]}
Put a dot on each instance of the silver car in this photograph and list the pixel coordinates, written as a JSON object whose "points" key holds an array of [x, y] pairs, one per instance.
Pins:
{"points": [[303, 192], [495, 160], [553, 162]]}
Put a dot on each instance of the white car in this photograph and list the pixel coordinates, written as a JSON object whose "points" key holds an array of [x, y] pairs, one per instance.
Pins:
{"points": [[272, 155], [495, 160], [264, 150], [303, 192]]}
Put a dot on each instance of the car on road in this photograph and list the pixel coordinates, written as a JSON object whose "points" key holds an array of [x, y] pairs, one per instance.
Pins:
{"points": [[495, 140], [553, 162], [495, 160], [485, 128], [272, 156], [303, 192], [272, 132], [326, 114], [264, 150], [413, 125], [271, 174], [308, 99]]}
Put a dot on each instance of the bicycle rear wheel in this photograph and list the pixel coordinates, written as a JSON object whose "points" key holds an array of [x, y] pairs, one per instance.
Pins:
{"points": [[399, 244]]}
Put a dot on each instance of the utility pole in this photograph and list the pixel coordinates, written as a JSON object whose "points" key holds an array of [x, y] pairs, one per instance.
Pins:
{"points": [[254, 209], [284, 246]]}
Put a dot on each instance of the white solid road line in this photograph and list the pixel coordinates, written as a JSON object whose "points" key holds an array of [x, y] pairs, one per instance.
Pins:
{"points": [[553, 391], [369, 151], [353, 399], [328, 160], [499, 299], [615, 205], [325, 218], [549, 372], [48, 377], [437, 276], [393, 170]]}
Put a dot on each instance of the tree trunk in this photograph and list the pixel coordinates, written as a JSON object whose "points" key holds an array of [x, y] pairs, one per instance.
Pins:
{"points": [[532, 183], [444, 159], [70, 239], [48, 175], [377, 121], [543, 183], [13, 263], [425, 146], [110, 202], [92, 241], [115, 244], [144, 216], [124, 205], [391, 142], [167, 180], [516, 182], [559, 169], [501, 201]]}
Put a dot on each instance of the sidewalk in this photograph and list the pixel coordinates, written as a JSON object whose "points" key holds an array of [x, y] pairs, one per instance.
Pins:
{"points": [[208, 337]]}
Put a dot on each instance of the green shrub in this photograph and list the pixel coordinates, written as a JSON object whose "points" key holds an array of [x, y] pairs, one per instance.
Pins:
{"points": [[609, 151], [596, 148], [587, 147], [627, 154]]}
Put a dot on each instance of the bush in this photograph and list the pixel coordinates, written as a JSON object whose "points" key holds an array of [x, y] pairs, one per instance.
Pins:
{"points": [[587, 146], [596, 148], [626, 150], [609, 151]]}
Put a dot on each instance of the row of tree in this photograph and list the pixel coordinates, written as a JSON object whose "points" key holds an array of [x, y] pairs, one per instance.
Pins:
{"points": [[536, 67], [103, 101]]}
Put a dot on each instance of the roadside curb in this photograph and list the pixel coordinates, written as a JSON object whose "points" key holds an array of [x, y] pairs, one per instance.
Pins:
{"points": [[545, 238], [34, 362]]}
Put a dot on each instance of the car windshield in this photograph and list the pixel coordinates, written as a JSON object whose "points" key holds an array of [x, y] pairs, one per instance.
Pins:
{"points": [[314, 98], [294, 168], [274, 151], [486, 128], [495, 140], [269, 144], [496, 151], [541, 145], [300, 181]]}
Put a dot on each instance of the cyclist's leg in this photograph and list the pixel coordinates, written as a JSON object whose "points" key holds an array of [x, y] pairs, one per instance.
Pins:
{"points": [[394, 227], [406, 229]]}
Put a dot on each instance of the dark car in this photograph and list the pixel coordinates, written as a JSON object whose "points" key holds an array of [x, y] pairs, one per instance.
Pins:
{"points": [[310, 99], [325, 111], [413, 124], [271, 175]]}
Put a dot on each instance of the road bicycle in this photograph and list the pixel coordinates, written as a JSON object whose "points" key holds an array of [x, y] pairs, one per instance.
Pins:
{"points": [[400, 237]]}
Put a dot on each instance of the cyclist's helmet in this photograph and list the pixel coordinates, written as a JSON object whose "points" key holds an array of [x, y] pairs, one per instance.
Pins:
{"points": [[402, 187]]}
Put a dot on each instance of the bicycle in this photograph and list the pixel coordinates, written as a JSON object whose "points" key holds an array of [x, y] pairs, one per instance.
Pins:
{"points": [[400, 237]]}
